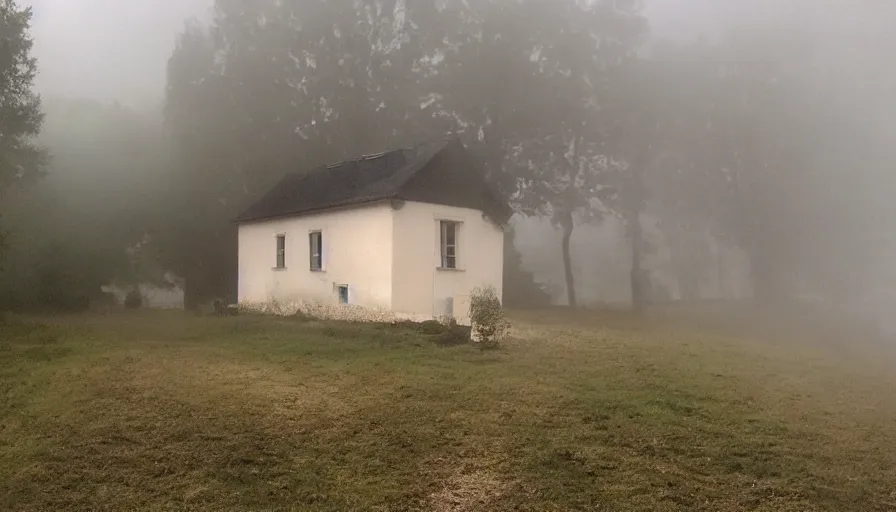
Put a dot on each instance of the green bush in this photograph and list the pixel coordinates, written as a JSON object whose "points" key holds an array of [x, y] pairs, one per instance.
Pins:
{"points": [[487, 316]]}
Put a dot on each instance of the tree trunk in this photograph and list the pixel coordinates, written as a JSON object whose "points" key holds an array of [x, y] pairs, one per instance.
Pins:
{"points": [[566, 222], [636, 232], [721, 289], [637, 273], [567, 225]]}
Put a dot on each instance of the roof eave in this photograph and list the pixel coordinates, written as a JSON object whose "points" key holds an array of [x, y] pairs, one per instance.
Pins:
{"points": [[354, 203]]}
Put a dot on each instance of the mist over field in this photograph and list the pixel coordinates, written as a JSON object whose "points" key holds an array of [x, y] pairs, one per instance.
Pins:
{"points": [[755, 154]]}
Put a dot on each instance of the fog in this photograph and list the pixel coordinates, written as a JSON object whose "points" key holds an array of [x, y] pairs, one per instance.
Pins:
{"points": [[117, 51], [803, 128], [108, 49]]}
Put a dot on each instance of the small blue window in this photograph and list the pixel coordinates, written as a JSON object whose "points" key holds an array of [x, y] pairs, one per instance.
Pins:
{"points": [[343, 294]]}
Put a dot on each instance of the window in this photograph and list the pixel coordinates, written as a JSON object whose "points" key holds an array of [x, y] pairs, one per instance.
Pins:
{"points": [[343, 294], [281, 251], [449, 244], [316, 244]]}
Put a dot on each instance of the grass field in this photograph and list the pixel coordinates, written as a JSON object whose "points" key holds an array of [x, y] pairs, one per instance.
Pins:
{"points": [[577, 412]]}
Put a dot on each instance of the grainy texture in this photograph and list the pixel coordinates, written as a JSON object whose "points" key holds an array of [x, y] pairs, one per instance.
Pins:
{"points": [[575, 412]]}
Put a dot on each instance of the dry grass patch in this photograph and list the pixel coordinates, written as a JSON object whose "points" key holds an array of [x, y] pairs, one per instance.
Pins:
{"points": [[172, 412], [469, 492]]}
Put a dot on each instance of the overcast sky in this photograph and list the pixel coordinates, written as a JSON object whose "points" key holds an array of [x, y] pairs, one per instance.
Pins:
{"points": [[109, 49], [117, 49]]}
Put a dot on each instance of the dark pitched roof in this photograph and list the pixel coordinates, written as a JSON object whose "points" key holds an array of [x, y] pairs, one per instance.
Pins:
{"points": [[397, 174]]}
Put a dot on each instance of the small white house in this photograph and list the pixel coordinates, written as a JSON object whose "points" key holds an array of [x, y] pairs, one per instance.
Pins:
{"points": [[406, 234]]}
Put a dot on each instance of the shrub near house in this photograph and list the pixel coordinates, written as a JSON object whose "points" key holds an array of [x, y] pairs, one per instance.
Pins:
{"points": [[487, 317]]}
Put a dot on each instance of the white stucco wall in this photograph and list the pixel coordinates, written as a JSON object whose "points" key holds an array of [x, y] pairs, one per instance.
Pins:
{"points": [[357, 251], [389, 258], [420, 288]]}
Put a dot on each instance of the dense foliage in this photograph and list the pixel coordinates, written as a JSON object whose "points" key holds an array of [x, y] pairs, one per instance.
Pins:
{"points": [[21, 159], [20, 110], [490, 326]]}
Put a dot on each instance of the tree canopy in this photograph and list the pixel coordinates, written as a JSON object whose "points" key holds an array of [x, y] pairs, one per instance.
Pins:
{"points": [[21, 160], [20, 110]]}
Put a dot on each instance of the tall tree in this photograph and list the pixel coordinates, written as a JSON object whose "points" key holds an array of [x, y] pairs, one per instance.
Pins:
{"points": [[656, 128], [21, 160], [276, 86], [540, 139]]}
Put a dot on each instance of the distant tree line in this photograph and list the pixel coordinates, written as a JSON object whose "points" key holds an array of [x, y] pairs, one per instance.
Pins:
{"points": [[754, 140]]}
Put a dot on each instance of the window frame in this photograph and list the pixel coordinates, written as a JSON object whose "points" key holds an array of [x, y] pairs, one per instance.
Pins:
{"points": [[448, 261], [316, 260], [280, 251]]}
